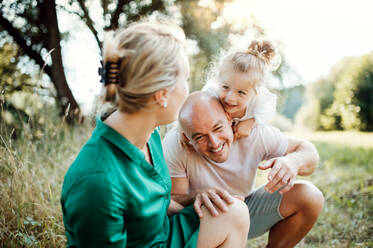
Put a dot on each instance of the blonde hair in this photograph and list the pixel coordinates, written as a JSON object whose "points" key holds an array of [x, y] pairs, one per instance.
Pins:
{"points": [[260, 57], [148, 54]]}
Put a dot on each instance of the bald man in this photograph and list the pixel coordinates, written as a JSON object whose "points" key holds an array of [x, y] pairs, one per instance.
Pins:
{"points": [[208, 167]]}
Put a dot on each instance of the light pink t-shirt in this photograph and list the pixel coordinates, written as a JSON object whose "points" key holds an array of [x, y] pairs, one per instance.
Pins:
{"points": [[237, 173]]}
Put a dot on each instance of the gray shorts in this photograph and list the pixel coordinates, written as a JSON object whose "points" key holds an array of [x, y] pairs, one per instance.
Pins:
{"points": [[264, 211]]}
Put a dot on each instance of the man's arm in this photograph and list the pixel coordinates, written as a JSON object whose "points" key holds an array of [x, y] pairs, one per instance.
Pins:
{"points": [[303, 154], [301, 158], [180, 191]]}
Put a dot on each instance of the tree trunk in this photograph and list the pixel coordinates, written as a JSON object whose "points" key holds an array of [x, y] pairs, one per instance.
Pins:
{"points": [[69, 106]]}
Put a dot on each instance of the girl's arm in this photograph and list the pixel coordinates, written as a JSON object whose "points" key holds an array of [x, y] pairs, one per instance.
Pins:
{"points": [[243, 128]]}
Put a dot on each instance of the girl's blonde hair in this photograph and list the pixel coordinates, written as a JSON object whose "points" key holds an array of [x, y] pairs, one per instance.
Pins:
{"points": [[148, 55], [260, 57]]}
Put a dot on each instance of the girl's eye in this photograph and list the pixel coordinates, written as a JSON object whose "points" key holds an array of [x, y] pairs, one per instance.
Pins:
{"points": [[225, 87], [242, 93]]}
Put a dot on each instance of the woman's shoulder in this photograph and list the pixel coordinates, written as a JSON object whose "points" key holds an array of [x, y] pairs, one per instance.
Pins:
{"points": [[95, 160]]}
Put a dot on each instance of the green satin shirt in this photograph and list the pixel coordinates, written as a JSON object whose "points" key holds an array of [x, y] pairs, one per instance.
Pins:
{"points": [[112, 197]]}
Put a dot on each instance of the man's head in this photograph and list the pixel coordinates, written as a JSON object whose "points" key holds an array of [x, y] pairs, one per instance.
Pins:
{"points": [[206, 127]]}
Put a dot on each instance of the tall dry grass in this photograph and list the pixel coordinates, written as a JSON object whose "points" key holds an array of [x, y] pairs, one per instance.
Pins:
{"points": [[32, 168]]}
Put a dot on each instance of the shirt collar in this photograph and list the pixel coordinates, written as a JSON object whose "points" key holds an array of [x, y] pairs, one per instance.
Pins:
{"points": [[118, 140]]}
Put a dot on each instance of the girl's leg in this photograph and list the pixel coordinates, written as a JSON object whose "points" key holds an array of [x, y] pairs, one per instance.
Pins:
{"points": [[229, 229]]}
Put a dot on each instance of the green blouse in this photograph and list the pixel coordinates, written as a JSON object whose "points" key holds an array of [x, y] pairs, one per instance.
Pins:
{"points": [[112, 197]]}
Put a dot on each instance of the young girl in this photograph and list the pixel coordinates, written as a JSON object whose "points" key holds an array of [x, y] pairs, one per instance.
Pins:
{"points": [[240, 86]]}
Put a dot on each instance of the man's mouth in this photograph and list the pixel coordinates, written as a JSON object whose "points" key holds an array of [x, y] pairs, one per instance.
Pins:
{"points": [[218, 149]]}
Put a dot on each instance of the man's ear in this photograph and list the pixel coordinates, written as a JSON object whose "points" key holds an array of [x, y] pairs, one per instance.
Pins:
{"points": [[160, 97], [185, 138], [184, 141]]}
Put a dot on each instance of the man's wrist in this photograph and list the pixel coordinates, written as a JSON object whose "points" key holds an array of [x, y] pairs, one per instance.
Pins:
{"points": [[293, 162]]}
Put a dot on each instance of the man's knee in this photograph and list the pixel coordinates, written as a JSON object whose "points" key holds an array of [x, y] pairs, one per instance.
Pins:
{"points": [[311, 199], [303, 197]]}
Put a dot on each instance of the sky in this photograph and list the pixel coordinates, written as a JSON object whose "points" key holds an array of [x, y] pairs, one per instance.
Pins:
{"points": [[314, 35]]}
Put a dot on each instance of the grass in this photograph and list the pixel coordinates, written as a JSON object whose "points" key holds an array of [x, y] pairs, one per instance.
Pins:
{"points": [[345, 176], [33, 165], [32, 168]]}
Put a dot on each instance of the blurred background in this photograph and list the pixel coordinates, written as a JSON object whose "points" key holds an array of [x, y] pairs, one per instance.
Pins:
{"points": [[49, 94]]}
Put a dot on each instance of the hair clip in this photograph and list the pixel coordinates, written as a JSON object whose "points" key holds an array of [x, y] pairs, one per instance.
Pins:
{"points": [[109, 72]]}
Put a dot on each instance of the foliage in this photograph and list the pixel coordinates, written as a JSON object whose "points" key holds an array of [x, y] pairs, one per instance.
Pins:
{"points": [[11, 78], [22, 96], [353, 97], [344, 99], [197, 22]]}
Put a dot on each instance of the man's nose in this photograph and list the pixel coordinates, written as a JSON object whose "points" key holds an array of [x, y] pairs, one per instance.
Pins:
{"points": [[214, 141]]}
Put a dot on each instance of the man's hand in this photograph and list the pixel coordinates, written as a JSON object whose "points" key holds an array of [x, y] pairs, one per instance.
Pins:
{"points": [[243, 128], [282, 174], [212, 198]]}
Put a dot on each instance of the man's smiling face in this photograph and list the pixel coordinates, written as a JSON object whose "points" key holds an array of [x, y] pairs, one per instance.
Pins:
{"points": [[205, 124]]}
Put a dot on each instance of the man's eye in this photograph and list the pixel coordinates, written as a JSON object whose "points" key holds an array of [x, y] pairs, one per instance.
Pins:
{"points": [[198, 138], [218, 128]]}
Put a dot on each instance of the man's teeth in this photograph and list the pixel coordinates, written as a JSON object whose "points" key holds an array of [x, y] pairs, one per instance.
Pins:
{"points": [[218, 149]]}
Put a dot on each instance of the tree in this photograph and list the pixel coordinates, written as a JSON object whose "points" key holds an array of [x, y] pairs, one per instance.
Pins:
{"points": [[33, 25], [114, 15], [343, 99], [352, 106], [194, 18]]}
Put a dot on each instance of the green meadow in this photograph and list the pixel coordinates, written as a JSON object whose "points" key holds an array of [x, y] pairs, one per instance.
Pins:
{"points": [[345, 176], [33, 165]]}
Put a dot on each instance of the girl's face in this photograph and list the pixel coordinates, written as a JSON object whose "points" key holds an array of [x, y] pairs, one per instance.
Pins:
{"points": [[234, 91]]}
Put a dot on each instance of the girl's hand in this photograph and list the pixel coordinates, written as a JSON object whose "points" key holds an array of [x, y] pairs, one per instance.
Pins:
{"points": [[243, 128]]}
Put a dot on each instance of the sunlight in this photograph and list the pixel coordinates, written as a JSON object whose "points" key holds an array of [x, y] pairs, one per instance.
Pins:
{"points": [[315, 34]]}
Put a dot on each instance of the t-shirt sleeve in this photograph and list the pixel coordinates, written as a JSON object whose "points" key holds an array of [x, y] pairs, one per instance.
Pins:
{"points": [[94, 211], [174, 154], [275, 143]]}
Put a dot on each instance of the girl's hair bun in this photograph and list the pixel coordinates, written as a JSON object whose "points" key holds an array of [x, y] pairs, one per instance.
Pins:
{"points": [[263, 50]]}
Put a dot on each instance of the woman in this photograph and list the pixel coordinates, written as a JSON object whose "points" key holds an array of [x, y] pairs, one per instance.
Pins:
{"points": [[117, 191]]}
